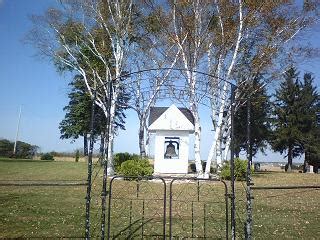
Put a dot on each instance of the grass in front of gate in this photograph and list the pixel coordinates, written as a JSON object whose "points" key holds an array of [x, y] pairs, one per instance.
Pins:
{"points": [[27, 211], [30, 211]]}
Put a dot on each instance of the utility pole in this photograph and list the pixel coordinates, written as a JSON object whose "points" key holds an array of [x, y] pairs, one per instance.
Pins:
{"points": [[17, 133]]}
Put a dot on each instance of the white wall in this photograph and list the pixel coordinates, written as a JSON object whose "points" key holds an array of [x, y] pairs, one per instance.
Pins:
{"points": [[162, 165]]}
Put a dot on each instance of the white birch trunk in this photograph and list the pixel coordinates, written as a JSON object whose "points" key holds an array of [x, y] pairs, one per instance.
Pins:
{"points": [[197, 140], [214, 147], [142, 137], [227, 149], [197, 128], [147, 143], [228, 140], [110, 166]]}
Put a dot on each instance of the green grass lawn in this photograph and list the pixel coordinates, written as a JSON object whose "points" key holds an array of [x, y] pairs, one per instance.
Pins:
{"points": [[30, 211], [287, 214], [24, 169]]}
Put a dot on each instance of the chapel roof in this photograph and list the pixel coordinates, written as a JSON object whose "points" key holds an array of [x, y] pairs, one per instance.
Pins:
{"points": [[156, 112]]}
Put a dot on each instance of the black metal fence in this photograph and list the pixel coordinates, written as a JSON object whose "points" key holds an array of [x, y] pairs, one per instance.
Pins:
{"points": [[297, 204], [137, 208], [198, 209], [145, 208]]}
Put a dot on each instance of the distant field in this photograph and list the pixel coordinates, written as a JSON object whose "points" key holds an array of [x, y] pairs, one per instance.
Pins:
{"points": [[25, 169], [68, 159], [29, 211]]}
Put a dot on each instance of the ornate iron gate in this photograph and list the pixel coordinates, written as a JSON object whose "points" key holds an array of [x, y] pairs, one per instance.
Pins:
{"points": [[137, 208], [198, 209], [142, 208]]}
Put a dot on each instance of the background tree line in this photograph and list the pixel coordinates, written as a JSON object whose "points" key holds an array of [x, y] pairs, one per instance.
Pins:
{"points": [[23, 149], [286, 120]]}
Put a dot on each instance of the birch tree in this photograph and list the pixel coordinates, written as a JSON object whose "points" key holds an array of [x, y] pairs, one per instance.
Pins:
{"points": [[145, 90], [190, 33], [150, 51], [267, 29], [89, 38]]}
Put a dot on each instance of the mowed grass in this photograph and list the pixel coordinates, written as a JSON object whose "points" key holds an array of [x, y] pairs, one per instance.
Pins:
{"points": [[25, 169], [281, 213], [29, 211], [46, 211]]}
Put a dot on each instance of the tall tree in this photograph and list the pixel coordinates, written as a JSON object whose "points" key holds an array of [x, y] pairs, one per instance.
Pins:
{"points": [[287, 134], [268, 29], [89, 38], [77, 118], [149, 50], [310, 105], [260, 110], [185, 30]]}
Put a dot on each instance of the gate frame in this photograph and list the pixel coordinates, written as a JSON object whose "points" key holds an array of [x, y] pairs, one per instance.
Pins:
{"points": [[226, 196], [139, 178], [164, 183]]}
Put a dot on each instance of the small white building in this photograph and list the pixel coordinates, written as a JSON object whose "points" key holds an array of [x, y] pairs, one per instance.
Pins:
{"points": [[171, 126]]}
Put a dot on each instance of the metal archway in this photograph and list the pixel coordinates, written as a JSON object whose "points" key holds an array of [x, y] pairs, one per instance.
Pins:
{"points": [[104, 193]]}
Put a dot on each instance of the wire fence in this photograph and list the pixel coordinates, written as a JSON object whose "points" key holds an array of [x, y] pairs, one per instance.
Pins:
{"points": [[288, 212], [282, 211]]}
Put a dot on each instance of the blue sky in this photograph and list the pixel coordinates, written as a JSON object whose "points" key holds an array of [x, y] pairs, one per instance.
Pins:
{"points": [[27, 81], [33, 83]]}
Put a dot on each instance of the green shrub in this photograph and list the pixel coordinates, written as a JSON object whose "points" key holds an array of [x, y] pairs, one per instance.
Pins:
{"points": [[240, 169], [135, 168], [77, 155], [47, 156], [119, 158]]}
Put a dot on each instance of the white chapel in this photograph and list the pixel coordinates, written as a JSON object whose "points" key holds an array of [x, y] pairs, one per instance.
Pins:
{"points": [[171, 126]]}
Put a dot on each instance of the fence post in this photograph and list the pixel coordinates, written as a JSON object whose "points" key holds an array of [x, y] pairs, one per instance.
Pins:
{"points": [[233, 206], [105, 167], [248, 224], [88, 196]]}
